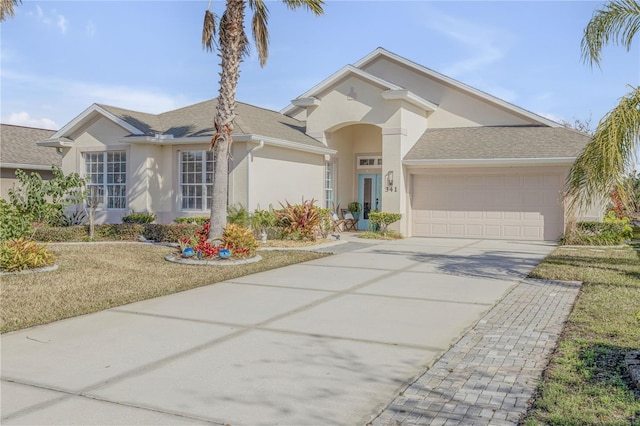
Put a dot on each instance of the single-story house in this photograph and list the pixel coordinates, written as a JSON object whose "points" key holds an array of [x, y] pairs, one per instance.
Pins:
{"points": [[387, 132], [18, 150]]}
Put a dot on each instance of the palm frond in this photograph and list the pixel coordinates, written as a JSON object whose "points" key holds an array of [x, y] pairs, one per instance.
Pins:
{"points": [[607, 159], [315, 6], [616, 23], [259, 29], [7, 8], [208, 31]]}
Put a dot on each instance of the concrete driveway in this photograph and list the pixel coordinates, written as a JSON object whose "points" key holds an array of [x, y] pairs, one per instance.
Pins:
{"points": [[330, 341]]}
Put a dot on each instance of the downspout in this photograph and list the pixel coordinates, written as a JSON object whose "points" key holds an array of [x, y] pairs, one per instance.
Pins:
{"points": [[250, 158]]}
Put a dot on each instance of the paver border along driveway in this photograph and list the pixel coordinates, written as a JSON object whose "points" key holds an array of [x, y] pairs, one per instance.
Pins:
{"points": [[331, 341]]}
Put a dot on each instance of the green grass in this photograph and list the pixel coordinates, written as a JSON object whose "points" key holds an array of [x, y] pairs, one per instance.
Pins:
{"points": [[93, 277], [587, 382]]}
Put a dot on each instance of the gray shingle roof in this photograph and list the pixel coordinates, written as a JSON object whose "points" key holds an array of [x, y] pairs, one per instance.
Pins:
{"points": [[18, 146], [197, 120], [498, 142]]}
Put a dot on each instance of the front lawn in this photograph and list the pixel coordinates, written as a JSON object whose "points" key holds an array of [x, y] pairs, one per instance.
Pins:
{"points": [[587, 382], [93, 277]]}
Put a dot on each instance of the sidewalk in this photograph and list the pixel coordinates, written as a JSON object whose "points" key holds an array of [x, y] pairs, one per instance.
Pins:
{"points": [[489, 376]]}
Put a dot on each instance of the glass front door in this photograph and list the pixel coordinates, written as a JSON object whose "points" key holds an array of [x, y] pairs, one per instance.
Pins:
{"points": [[369, 197]]}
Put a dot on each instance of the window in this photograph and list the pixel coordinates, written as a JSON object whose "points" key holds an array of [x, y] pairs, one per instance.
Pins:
{"points": [[196, 180], [329, 183], [107, 174], [370, 162]]}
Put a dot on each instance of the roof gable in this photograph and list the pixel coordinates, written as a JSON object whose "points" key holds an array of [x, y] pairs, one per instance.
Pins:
{"points": [[89, 114], [381, 53]]}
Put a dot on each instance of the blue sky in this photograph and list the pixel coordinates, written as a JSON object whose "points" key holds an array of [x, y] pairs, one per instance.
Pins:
{"points": [[59, 57]]}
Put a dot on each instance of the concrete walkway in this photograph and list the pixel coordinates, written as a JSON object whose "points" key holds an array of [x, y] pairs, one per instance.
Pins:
{"points": [[331, 341]]}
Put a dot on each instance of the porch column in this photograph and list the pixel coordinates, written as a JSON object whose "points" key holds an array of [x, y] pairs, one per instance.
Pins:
{"points": [[394, 193]]}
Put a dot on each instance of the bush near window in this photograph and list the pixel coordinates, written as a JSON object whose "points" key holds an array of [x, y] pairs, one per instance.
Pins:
{"points": [[13, 224], [167, 233], [611, 231], [198, 220], [45, 201], [21, 254], [142, 218], [299, 221], [238, 215]]}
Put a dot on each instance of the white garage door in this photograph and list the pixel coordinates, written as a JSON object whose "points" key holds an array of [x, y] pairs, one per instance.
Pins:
{"points": [[497, 206]]}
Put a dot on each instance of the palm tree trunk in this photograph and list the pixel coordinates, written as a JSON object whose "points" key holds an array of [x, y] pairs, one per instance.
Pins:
{"points": [[232, 45]]}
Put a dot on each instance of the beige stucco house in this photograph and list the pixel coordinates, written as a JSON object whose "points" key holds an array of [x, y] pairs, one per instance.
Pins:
{"points": [[18, 150], [387, 132]]}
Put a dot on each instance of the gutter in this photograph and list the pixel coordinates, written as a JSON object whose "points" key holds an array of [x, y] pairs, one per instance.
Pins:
{"points": [[282, 143], [489, 162]]}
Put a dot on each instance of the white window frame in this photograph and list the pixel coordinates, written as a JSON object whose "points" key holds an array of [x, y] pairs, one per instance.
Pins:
{"points": [[371, 162], [329, 184], [106, 179], [200, 181]]}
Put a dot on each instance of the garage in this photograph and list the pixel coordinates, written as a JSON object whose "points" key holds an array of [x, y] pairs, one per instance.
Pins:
{"points": [[494, 204]]}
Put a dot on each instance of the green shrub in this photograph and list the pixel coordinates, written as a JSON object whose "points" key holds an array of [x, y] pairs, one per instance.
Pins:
{"points": [[597, 233], [79, 217], [20, 254], [299, 221], [13, 224], [239, 239], [141, 218], [198, 220], [60, 233], [627, 230], [45, 201], [238, 215], [169, 233], [383, 220], [118, 231], [263, 219]]}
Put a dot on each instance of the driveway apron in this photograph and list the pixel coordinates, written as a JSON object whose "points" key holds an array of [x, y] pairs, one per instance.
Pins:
{"points": [[331, 341]]}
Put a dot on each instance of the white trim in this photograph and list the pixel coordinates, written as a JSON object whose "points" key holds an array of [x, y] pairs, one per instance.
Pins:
{"points": [[412, 98], [376, 165], [86, 113], [394, 131], [306, 102], [338, 75], [55, 144], [25, 166], [489, 161], [236, 138], [455, 83]]}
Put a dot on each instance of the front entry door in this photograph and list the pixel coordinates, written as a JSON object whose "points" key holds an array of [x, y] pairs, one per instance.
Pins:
{"points": [[369, 197]]}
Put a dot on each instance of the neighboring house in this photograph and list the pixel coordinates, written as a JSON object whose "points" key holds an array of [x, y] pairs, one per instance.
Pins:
{"points": [[387, 132], [18, 150]]}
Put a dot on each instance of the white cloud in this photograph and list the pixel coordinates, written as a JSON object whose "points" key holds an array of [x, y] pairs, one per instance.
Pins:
{"points": [[62, 24], [91, 29], [63, 99], [50, 19], [484, 45], [24, 119]]}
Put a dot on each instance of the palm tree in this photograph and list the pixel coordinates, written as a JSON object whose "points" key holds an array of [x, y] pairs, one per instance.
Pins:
{"points": [[602, 166], [233, 45], [7, 8]]}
